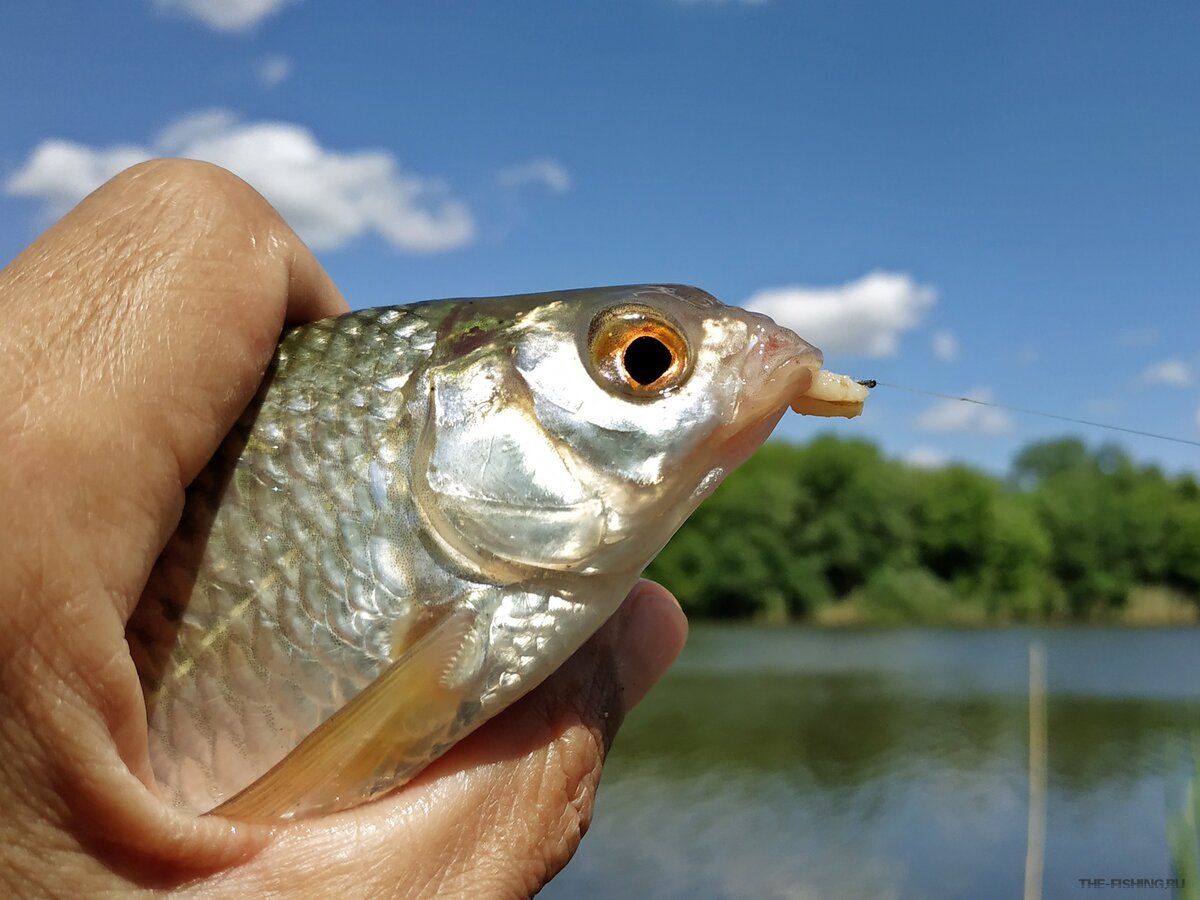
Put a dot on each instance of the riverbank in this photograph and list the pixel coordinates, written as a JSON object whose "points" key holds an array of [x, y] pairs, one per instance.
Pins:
{"points": [[834, 532], [1148, 607]]}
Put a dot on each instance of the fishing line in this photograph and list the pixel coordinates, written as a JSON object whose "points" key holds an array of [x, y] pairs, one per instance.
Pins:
{"points": [[871, 382]]}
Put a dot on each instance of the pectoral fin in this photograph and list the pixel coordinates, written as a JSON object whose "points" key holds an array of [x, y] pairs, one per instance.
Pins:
{"points": [[401, 718]]}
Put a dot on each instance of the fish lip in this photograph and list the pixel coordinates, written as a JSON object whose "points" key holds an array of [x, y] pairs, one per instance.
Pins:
{"points": [[781, 365]]}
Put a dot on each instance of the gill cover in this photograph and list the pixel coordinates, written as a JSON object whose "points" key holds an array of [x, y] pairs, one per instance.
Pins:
{"points": [[494, 483]]}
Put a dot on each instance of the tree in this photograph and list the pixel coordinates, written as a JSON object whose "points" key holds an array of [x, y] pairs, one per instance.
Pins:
{"points": [[1072, 532], [860, 513], [1080, 501], [955, 524], [737, 555], [1182, 540], [1016, 581], [1042, 461]]}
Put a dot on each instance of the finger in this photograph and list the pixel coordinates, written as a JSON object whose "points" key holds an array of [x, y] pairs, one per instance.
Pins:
{"points": [[504, 810], [132, 334], [539, 763], [586, 700]]}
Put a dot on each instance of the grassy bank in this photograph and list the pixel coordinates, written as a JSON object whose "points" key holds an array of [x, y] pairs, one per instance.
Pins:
{"points": [[1149, 607]]}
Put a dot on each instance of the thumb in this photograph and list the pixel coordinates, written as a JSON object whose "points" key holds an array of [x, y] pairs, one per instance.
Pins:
{"points": [[132, 334]]}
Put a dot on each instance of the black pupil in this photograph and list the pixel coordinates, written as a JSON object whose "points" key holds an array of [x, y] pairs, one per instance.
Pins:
{"points": [[647, 359]]}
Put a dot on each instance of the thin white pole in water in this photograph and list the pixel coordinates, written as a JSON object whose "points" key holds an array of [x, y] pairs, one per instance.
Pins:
{"points": [[1035, 850]]}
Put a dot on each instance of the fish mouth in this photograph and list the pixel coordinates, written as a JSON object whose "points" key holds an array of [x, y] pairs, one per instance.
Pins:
{"points": [[783, 370], [780, 368]]}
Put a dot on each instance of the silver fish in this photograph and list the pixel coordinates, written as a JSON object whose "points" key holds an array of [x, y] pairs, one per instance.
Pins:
{"points": [[423, 513]]}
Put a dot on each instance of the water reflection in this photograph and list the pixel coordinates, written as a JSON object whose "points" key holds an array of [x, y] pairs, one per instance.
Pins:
{"points": [[891, 764]]}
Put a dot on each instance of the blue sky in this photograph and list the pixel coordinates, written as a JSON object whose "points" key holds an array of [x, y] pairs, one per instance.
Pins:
{"points": [[998, 199]]}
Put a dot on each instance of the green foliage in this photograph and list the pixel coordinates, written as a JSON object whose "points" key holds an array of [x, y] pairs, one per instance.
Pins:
{"points": [[856, 515], [730, 560], [955, 523], [1050, 459], [1017, 581], [1182, 543], [833, 525], [903, 596]]}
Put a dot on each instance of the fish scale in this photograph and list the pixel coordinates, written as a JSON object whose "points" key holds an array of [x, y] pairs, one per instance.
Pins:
{"points": [[424, 511], [300, 575]]}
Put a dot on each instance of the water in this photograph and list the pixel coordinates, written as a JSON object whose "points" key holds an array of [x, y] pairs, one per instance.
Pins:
{"points": [[893, 764]]}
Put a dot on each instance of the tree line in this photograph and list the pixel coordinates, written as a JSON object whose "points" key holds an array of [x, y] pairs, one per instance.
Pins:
{"points": [[833, 531]]}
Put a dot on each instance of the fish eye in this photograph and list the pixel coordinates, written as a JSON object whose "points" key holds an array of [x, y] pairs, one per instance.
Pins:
{"points": [[638, 351]]}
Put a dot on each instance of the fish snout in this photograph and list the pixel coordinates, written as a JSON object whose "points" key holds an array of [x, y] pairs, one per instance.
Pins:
{"points": [[779, 364]]}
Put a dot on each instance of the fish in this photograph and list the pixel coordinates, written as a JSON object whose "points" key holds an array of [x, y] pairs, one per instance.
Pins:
{"points": [[424, 511]]}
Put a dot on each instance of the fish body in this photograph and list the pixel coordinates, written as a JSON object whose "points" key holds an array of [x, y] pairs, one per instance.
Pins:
{"points": [[425, 510]]}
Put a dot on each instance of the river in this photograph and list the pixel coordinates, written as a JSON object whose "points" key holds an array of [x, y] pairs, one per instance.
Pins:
{"points": [[800, 763]]}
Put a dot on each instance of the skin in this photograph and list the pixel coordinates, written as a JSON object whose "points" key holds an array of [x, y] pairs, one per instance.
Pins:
{"points": [[132, 334]]}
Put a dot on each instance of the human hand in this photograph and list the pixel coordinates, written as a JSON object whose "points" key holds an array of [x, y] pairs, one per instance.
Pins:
{"points": [[132, 335]]}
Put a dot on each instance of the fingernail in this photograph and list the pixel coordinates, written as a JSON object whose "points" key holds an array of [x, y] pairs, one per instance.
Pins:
{"points": [[653, 631]]}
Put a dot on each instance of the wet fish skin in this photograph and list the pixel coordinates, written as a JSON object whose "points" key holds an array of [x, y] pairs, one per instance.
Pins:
{"points": [[450, 478]]}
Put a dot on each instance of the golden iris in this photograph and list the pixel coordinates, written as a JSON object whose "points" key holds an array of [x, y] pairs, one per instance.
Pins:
{"points": [[638, 350]]}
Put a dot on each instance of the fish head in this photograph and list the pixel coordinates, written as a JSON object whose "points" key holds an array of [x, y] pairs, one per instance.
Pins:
{"points": [[580, 430]]}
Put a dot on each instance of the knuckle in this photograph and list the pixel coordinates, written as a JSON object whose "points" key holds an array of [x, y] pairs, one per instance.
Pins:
{"points": [[189, 182], [179, 208]]}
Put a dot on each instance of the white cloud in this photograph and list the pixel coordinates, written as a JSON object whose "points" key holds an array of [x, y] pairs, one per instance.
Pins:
{"points": [[194, 128], [864, 317], [549, 172], [61, 173], [1174, 372], [967, 416], [1198, 419], [224, 15], [329, 197], [945, 346], [273, 70], [923, 457]]}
